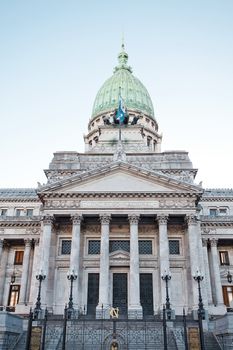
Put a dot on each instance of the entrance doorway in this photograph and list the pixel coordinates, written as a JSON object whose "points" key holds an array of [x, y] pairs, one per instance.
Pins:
{"points": [[146, 293], [120, 293], [93, 293]]}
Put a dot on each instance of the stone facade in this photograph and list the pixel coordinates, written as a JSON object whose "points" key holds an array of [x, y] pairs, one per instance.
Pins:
{"points": [[120, 215]]}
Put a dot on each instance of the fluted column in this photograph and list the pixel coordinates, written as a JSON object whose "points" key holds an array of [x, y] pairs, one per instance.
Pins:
{"points": [[194, 259], [24, 277], [163, 253], [35, 269], [75, 255], [207, 270], [45, 252], [103, 306], [216, 272], [5, 252], [135, 308], [1, 247]]}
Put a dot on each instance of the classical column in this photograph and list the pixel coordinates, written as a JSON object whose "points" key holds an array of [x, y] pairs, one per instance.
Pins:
{"points": [[5, 252], [35, 268], [75, 255], [216, 272], [1, 246], [135, 308], [163, 253], [207, 270], [194, 259], [103, 306], [24, 277], [45, 252]]}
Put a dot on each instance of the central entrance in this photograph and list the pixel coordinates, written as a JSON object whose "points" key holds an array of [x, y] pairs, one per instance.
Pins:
{"points": [[120, 293]]}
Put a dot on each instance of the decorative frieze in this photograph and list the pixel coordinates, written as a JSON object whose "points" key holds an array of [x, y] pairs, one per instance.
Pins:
{"points": [[173, 203], [63, 204]]}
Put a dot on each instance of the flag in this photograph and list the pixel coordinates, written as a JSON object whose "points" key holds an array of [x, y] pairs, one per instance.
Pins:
{"points": [[121, 112]]}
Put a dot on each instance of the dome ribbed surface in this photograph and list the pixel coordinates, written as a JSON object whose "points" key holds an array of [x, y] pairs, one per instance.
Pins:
{"points": [[134, 93]]}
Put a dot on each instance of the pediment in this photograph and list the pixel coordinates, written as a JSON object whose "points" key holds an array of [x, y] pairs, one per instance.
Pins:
{"points": [[120, 178], [119, 255]]}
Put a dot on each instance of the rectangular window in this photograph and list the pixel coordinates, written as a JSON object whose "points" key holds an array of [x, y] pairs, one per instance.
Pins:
{"points": [[222, 211], [18, 257], [224, 257], [227, 295], [3, 212], [213, 212], [13, 295], [174, 246], [145, 247], [19, 212], [66, 246], [29, 212], [93, 247], [119, 245]]}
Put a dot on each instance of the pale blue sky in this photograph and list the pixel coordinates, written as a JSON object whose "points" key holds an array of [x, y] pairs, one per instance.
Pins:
{"points": [[55, 55]]}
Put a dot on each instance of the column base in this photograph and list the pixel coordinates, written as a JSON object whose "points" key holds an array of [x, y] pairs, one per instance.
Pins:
{"points": [[219, 309], [102, 311], [135, 312]]}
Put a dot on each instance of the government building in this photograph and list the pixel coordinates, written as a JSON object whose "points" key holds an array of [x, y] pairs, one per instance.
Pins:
{"points": [[123, 227]]}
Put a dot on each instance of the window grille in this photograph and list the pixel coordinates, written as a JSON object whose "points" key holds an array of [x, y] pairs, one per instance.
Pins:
{"points": [[66, 247], [145, 247], [119, 245], [29, 212], [174, 246], [94, 247]]}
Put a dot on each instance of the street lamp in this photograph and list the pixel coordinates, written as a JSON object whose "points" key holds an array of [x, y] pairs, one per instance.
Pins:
{"points": [[229, 277], [13, 277], [72, 276], [40, 277], [201, 311], [166, 277]]}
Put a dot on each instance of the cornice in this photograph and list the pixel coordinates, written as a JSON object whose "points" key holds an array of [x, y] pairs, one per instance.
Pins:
{"points": [[127, 195], [14, 221]]}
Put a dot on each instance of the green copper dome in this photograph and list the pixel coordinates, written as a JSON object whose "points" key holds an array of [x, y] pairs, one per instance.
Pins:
{"points": [[134, 93]]}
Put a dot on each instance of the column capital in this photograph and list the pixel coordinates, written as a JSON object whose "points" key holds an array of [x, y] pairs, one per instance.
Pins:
{"points": [[133, 218], [205, 242], [213, 242], [47, 219], [1, 242], [76, 219], [105, 218], [28, 242], [36, 241], [162, 219], [191, 219]]}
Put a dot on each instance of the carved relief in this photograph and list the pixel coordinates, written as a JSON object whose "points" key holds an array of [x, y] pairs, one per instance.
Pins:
{"points": [[112, 204], [62, 204], [175, 203]]}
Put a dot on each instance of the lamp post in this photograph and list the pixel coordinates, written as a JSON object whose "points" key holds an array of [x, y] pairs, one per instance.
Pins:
{"points": [[40, 277], [229, 277], [201, 311], [72, 276], [166, 277]]}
